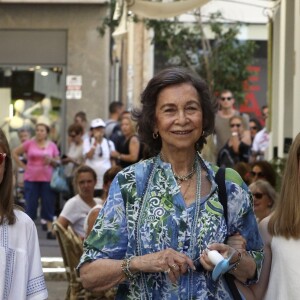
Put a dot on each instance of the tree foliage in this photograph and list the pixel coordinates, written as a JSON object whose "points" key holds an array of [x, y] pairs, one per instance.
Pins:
{"points": [[222, 61]]}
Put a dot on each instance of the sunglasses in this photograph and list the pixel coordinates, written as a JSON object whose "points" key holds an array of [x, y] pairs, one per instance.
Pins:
{"points": [[257, 195], [72, 135], [235, 125], [258, 174], [226, 98], [2, 157], [253, 127]]}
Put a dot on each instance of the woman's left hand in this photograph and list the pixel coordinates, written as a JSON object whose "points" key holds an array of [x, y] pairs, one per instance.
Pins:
{"points": [[225, 250]]}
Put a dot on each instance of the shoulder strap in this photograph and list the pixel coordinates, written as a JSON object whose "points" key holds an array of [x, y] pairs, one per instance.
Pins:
{"points": [[220, 180]]}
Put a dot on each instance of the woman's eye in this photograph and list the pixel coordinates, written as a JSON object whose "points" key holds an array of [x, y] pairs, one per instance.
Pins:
{"points": [[169, 110], [191, 108]]}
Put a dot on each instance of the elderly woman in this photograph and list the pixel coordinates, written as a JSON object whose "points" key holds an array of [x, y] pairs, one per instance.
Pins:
{"points": [[264, 196], [163, 212], [21, 274]]}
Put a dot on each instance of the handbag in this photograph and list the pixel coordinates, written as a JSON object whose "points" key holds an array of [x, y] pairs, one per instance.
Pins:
{"points": [[59, 181], [220, 180]]}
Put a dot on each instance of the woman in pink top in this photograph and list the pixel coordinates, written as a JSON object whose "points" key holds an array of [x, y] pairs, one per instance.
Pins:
{"points": [[42, 155]]}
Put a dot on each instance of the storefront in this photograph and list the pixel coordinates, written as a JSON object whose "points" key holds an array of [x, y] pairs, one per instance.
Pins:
{"points": [[41, 44]]}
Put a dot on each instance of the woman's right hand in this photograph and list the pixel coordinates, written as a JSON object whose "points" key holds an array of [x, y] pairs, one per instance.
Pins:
{"points": [[169, 261]]}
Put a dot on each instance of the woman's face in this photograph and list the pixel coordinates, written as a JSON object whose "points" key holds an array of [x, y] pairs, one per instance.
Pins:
{"points": [[257, 173], [253, 129], [178, 117], [75, 137], [2, 163], [86, 184], [126, 127], [236, 126], [261, 202], [41, 132]]}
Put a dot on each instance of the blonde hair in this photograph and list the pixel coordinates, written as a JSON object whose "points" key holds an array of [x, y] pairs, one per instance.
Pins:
{"points": [[244, 125], [285, 220]]}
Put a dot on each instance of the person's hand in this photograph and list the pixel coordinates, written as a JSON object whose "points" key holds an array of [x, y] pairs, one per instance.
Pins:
{"points": [[47, 160], [172, 263], [66, 160], [237, 242], [225, 250], [114, 154]]}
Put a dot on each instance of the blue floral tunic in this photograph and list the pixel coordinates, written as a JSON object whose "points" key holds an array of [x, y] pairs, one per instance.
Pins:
{"points": [[145, 213]]}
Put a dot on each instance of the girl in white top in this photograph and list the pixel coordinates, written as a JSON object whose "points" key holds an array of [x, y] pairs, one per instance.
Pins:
{"points": [[280, 231], [21, 274]]}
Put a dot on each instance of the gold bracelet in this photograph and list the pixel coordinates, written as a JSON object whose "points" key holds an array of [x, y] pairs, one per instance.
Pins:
{"points": [[125, 268]]}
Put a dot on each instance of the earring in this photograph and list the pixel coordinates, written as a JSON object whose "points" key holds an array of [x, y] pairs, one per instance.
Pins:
{"points": [[155, 135], [203, 133]]}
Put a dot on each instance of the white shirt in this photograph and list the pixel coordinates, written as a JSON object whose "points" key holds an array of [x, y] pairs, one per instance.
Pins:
{"points": [[75, 211], [100, 161], [261, 141], [285, 270], [74, 152], [21, 274]]}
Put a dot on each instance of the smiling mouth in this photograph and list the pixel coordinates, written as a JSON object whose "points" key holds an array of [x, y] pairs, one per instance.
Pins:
{"points": [[182, 132]]}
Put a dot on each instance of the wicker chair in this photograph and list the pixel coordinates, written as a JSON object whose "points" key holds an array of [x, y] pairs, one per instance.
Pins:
{"points": [[71, 250]]}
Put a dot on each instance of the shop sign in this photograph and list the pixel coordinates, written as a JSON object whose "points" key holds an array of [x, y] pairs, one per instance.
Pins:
{"points": [[74, 87]]}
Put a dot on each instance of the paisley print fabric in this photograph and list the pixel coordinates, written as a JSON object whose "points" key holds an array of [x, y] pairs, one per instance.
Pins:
{"points": [[145, 213]]}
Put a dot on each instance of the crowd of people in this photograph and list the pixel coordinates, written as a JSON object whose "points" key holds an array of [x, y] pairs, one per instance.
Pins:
{"points": [[146, 202]]}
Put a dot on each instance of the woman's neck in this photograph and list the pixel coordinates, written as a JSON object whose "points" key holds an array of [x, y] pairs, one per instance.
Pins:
{"points": [[89, 200], [41, 141], [182, 164]]}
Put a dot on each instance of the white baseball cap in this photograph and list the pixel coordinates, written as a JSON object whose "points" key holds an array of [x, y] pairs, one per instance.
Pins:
{"points": [[97, 123]]}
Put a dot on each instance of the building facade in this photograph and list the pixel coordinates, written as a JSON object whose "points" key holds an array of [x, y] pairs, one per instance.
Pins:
{"points": [[52, 49]]}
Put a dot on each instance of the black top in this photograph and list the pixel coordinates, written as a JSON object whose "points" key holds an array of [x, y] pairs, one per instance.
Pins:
{"points": [[228, 158], [124, 149]]}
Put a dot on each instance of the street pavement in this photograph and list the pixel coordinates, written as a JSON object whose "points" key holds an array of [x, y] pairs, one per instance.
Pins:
{"points": [[51, 258]]}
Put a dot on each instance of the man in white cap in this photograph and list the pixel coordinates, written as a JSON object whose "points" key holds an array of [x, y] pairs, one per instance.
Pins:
{"points": [[97, 151]]}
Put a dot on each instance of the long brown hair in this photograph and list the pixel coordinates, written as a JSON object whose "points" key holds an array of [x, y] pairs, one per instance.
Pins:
{"points": [[6, 186], [285, 220]]}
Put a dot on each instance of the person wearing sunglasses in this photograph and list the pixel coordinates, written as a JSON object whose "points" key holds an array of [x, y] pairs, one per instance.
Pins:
{"points": [[264, 198], [254, 127], [97, 152], [74, 155], [226, 111], [21, 274], [263, 170], [237, 148]]}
